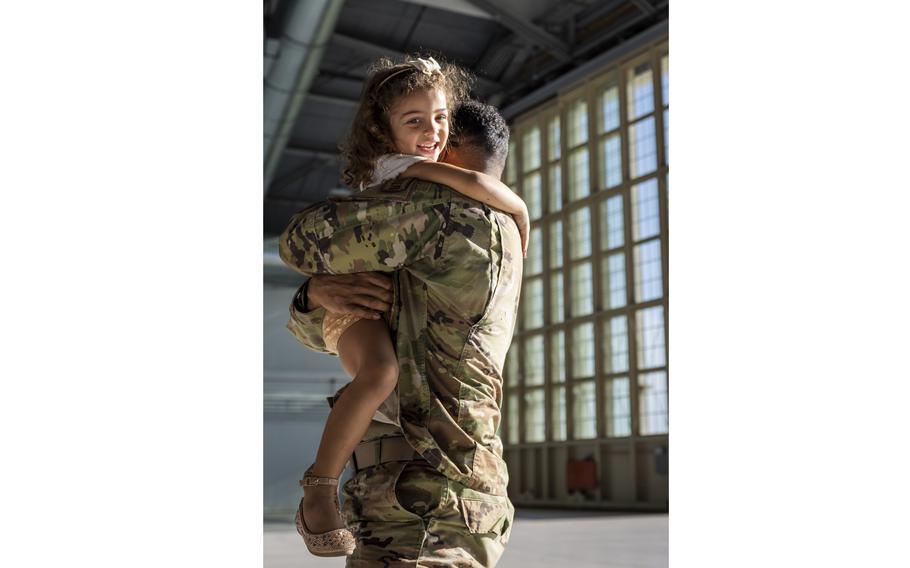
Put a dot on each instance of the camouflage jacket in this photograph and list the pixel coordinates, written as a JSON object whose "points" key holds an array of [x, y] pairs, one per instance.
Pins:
{"points": [[457, 275]]}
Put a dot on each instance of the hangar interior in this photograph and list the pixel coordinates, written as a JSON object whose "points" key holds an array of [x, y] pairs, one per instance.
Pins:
{"points": [[584, 86]]}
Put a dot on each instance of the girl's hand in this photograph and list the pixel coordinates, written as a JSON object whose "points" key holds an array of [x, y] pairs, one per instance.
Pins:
{"points": [[524, 226]]}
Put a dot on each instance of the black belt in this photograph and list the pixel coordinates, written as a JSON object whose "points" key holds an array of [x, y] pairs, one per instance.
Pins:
{"points": [[383, 450]]}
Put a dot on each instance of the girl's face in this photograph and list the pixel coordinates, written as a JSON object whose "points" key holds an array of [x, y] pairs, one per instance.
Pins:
{"points": [[420, 124]]}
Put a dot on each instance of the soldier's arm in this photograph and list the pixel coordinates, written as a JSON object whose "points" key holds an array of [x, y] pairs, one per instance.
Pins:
{"points": [[363, 294], [361, 235], [479, 186], [306, 322]]}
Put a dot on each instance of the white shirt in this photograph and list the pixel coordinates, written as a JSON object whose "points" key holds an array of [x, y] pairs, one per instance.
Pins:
{"points": [[390, 166]]}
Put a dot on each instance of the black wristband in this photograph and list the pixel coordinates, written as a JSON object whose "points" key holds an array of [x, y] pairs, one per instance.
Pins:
{"points": [[301, 304]]}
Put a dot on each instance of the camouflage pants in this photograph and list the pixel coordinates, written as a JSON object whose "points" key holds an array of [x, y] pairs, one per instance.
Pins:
{"points": [[409, 514]]}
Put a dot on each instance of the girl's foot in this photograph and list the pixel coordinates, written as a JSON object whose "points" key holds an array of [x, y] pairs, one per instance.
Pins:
{"points": [[318, 518], [320, 511]]}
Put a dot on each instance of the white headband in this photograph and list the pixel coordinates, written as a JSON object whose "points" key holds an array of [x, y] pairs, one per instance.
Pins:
{"points": [[427, 66]]}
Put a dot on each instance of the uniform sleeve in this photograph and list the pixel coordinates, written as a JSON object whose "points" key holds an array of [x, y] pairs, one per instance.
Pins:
{"points": [[362, 235], [306, 327]]}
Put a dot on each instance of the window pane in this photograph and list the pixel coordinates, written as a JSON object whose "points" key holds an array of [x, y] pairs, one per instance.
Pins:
{"points": [[579, 183], [583, 351], [667, 137], [555, 260], [610, 161], [582, 290], [555, 177], [510, 165], [512, 418], [651, 346], [640, 91], [534, 262], [648, 282], [613, 272], [558, 357], [611, 223], [512, 365], [652, 403], [645, 210], [553, 146], [665, 78], [578, 123], [534, 416], [618, 407], [609, 110], [616, 345], [530, 150], [580, 233], [534, 360], [531, 194], [584, 409], [558, 412], [557, 299], [533, 303], [642, 148]]}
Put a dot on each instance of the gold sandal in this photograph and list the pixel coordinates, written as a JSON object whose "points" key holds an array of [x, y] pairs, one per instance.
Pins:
{"points": [[337, 542]]}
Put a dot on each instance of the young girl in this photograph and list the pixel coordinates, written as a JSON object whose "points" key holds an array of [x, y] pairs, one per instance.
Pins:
{"points": [[401, 127]]}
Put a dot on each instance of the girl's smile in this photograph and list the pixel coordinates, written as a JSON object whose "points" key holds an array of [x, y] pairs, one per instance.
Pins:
{"points": [[420, 124]]}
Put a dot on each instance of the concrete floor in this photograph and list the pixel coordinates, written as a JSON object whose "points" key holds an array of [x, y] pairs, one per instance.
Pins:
{"points": [[540, 538]]}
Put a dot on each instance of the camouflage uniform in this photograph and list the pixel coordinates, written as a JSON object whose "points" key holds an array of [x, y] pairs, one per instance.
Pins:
{"points": [[456, 267]]}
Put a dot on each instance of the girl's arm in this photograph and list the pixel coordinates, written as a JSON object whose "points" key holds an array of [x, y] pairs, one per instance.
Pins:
{"points": [[479, 186]]}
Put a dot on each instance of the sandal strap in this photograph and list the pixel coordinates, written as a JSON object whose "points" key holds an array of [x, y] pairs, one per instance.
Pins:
{"points": [[310, 480]]}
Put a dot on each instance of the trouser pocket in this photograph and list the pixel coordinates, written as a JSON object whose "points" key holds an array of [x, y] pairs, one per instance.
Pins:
{"points": [[488, 515], [370, 495]]}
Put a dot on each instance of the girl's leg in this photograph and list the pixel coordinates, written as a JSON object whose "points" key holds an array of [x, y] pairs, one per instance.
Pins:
{"points": [[367, 354]]}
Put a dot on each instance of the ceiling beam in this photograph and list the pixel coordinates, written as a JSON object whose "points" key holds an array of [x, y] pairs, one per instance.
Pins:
{"points": [[611, 33], [527, 30], [456, 6], [601, 10], [577, 74], [365, 46], [644, 6], [485, 83]]}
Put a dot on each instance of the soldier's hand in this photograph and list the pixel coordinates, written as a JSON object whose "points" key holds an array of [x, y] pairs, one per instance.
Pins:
{"points": [[364, 294]]}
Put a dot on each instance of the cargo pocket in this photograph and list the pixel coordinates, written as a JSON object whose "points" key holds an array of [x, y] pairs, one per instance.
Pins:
{"points": [[370, 495], [484, 517]]}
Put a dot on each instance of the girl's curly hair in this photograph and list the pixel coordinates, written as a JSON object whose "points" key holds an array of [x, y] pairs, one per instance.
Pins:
{"points": [[371, 136]]}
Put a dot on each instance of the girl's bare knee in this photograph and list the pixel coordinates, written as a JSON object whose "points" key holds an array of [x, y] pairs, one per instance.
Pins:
{"points": [[388, 372], [380, 378]]}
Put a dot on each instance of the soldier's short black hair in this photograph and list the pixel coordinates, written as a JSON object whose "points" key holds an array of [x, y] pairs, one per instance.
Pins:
{"points": [[480, 125]]}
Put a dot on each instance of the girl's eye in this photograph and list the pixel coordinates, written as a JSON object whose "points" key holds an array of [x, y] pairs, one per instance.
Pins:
{"points": [[442, 117]]}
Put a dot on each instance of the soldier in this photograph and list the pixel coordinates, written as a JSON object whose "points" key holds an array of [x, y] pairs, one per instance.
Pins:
{"points": [[430, 483]]}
